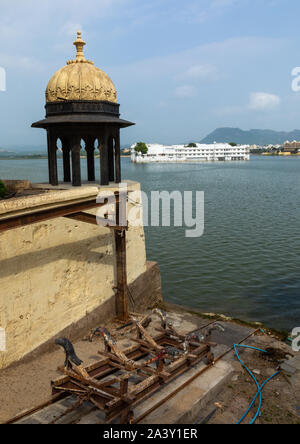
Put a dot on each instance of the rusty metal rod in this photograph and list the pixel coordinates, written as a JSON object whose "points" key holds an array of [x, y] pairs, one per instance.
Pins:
{"points": [[35, 409], [46, 214]]}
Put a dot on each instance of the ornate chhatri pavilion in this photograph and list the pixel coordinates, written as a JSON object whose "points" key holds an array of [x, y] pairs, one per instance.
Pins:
{"points": [[81, 104]]}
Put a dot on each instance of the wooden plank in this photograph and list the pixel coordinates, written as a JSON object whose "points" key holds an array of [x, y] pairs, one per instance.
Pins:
{"points": [[101, 374], [145, 345], [88, 368], [115, 413], [146, 336], [97, 403], [120, 358], [176, 364], [144, 385], [85, 381], [131, 349], [200, 349], [123, 387]]}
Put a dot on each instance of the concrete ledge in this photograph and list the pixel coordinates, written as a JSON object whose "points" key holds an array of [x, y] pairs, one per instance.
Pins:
{"points": [[17, 185], [53, 196], [185, 407]]}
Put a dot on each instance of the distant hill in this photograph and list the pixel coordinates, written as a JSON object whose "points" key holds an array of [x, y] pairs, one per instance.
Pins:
{"points": [[251, 137], [24, 149]]}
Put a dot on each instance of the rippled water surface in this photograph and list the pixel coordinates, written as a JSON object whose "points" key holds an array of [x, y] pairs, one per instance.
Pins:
{"points": [[247, 263]]}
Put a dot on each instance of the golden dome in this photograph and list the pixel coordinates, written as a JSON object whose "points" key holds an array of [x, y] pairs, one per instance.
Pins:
{"points": [[80, 80]]}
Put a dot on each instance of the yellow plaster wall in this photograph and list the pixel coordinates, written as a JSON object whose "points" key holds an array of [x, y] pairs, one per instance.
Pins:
{"points": [[52, 274]]}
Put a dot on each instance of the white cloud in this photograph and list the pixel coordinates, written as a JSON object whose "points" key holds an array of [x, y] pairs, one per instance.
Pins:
{"points": [[261, 101], [212, 54], [185, 91], [200, 72]]}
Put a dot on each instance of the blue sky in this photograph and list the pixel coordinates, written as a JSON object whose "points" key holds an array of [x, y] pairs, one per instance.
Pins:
{"points": [[181, 68]]}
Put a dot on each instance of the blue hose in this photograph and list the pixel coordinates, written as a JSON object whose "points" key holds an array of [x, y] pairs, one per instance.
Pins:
{"points": [[259, 388]]}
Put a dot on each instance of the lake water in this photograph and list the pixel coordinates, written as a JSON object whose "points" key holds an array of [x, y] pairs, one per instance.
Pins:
{"points": [[247, 263]]}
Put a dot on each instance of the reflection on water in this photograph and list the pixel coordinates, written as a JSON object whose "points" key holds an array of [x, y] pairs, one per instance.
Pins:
{"points": [[247, 263]]}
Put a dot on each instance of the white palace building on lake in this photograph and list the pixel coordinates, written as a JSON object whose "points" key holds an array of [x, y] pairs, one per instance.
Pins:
{"points": [[180, 153]]}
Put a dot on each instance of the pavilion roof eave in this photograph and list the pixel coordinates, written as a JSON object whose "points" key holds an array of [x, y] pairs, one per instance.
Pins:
{"points": [[81, 119]]}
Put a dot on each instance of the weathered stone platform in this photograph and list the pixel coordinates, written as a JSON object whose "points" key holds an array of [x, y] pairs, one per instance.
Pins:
{"points": [[185, 406]]}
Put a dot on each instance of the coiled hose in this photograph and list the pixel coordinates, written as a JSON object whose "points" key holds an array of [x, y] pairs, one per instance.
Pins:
{"points": [[259, 388]]}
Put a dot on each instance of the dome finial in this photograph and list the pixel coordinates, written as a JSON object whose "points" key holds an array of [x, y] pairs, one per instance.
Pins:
{"points": [[79, 43]]}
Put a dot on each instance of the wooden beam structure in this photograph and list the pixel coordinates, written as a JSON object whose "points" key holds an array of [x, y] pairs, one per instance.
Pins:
{"points": [[109, 384]]}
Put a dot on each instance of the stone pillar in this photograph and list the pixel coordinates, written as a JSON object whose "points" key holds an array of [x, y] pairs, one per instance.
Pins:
{"points": [[90, 150], [52, 158], [111, 160], [104, 158], [118, 157], [66, 159], [76, 171]]}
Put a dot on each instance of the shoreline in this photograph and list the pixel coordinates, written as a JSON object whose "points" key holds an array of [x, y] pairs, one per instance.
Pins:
{"points": [[44, 157], [41, 157], [280, 333]]}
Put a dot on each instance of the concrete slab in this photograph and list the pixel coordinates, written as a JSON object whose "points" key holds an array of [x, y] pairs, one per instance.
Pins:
{"points": [[95, 417], [287, 368], [45, 416], [184, 408], [291, 366], [295, 362], [48, 414]]}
